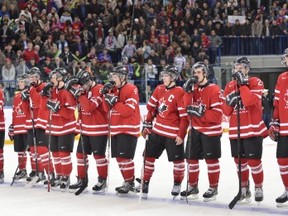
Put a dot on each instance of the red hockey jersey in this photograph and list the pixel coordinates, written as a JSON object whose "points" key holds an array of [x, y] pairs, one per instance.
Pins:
{"points": [[93, 117], [251, 123], [18, 115], [125, 114], [210, 96], [171, 117], [2, 120], [63, 121], [281, 103], [32, 104]]}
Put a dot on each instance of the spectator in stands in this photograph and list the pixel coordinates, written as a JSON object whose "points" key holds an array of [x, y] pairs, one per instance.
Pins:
{"points": [[21, 68], [215, 45], [110, 44], [129, 50], [46, 68], [179, 60], [8, 73], [30, 53], [66, 56]]}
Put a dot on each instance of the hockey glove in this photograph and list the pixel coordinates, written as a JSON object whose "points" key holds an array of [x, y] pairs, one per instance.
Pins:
{"points": [[232, 98], [197, 111], [274, 130], [76, 92], [241, 78], [107, 87], [25, 95], [72, 81], [147, 129], [54, 106], [189, 84], [11, 132], [110, 99], [46, 90]]}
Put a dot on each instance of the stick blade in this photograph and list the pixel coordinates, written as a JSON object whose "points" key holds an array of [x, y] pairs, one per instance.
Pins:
{"points": [[82, 188], [234, 201]]}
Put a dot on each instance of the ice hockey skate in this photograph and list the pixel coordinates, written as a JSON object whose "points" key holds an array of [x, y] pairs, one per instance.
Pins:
{"points": [[210, 194], [191, 193], [281, 201], [21, 175], [1, 177], [100, 187], [176, 189], [65, 182], [31, 175], [127, 186], [74, 187], [258, 194], [245, 196], [144, 187], [35, 179], [54, 181]]}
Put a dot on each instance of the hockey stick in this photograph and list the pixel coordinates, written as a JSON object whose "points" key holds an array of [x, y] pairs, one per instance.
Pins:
{"points": [[85, 183], [108, 148], [238, 196], [34, 137], [143, 170], [20, 161], [188, 158], [49, 153]]}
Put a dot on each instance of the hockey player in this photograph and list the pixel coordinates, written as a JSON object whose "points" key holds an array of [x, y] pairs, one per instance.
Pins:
{"points": [[62, 105], [165, 107], [31, 102], [203, 104], [122, 103], [93, 128], [2, 135], [17, 131], [247, 91], [278, 128]]}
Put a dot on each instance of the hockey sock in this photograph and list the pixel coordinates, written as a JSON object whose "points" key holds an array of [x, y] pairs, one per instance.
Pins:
{"points": [[102, 165], [193, 171], [22, 160], [66, 163], [44, 155], [1, 160], [283, 166], [213, 171], [32, 158], [244, 171], [57, 163], [256, 171], [126, 167], [178, 170], [81, 165], [149, 168], [39, 162]]}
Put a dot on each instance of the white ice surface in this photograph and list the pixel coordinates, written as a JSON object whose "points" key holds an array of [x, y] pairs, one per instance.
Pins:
{"points": [[17, 200]]}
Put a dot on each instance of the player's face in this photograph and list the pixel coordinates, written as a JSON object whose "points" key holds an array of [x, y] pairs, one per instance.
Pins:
{"points": [[198, 72], [241, 67], [167, 79], [21, 84], [54, 80], [117, 79], [34, 78], [87, 85]]}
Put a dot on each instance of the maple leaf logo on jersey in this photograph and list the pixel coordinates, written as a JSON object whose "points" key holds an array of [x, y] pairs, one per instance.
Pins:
{"points": [[18, 110], [162, 108]]}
